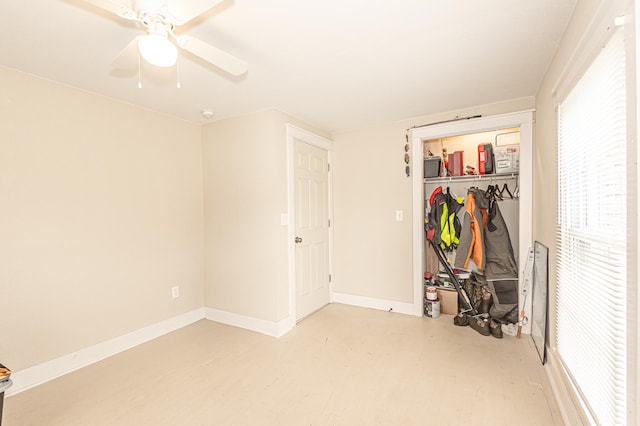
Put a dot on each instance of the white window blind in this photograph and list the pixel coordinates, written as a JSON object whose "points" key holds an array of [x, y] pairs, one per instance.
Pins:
{"points": [[591, 304]]}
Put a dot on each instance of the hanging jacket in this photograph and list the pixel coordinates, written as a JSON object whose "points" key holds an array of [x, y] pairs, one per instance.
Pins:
{"points": [[471, 245], [501, 270], [485, 240], [442, 224], [449, 222], [433, 225]]}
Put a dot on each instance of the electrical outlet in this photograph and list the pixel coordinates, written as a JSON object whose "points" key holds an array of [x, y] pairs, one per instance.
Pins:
{"points": [[175, 292]]}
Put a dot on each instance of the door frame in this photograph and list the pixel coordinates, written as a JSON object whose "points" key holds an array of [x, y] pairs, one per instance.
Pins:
{"points": [[293, 133], [522, 119]]}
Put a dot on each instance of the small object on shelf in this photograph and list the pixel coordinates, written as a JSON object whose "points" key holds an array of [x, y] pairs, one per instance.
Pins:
{"points": [[470, 171], [445, 161], [461, 274], [485, 159], [432, 167], [456, 164], [507, 158], [444, 280]]}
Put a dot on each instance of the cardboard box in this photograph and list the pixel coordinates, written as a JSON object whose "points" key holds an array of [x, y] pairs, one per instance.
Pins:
{"points": [[448, 301], [507, 158]]}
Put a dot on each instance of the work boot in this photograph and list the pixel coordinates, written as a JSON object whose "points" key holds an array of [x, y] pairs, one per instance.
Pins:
{"points": [[512, 316], [480, 325], [485, 300], [495, 328], [461, 320]]}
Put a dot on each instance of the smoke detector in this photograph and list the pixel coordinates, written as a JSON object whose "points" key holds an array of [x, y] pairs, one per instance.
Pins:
{"points": [[206, 113]]}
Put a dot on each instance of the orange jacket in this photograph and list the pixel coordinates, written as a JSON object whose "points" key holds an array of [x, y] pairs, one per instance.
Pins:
{"points": [[472, 236]]}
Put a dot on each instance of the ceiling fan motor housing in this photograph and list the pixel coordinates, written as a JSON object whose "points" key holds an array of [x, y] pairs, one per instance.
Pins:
{"points": [[160, 18], [154, 10]]}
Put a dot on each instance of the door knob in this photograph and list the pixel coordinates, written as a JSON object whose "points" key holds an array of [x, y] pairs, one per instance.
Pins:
{"points": [[298, 240]]}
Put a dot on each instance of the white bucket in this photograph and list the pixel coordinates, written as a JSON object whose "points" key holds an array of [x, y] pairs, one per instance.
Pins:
{"points": [[433, 308]]}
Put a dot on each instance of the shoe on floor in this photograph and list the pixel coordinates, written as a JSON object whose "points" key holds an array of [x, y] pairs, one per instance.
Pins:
{"points": [[496, 329], [461, 320], [480, 325]]}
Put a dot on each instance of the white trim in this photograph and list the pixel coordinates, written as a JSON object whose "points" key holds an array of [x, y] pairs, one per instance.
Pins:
{"points": [[635, 111], [270, 328], [372, 303], [564, 393], [522, 119], [308, 137], [594, 37], [49, 370], [419, 240], [294, 133]]}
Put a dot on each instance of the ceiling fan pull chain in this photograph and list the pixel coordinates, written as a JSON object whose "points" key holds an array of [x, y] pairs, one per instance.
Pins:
{"points": [[178, 73], [139, 74]]}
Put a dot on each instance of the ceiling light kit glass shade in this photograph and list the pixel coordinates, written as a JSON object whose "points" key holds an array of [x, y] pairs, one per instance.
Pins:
{"points": [[158, 50]]}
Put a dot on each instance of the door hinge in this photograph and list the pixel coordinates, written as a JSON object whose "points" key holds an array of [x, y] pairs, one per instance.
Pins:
{"points": [[329, 277], [328, 167], [329, 223]]}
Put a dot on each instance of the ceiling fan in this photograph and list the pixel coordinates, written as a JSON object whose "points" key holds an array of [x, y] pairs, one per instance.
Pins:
{"points": [[160, 18]]}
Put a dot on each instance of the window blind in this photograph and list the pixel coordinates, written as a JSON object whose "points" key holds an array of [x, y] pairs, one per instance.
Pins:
{"points": [[591, 304]]}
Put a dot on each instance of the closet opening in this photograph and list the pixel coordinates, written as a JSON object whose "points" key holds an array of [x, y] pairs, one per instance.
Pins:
{"points": [[485, 160], [453, 156]]}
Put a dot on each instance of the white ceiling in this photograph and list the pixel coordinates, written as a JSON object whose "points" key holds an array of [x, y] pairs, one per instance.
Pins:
{"points": [[335, 64]]}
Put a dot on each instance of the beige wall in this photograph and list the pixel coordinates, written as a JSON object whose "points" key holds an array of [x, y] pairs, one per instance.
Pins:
{"points": [[545, 167], [100, 215], [245, 183], [373, 252], [103, 212]]}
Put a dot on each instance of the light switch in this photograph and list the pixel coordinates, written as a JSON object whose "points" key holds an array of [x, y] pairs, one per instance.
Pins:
{"points": [[399, 215]]}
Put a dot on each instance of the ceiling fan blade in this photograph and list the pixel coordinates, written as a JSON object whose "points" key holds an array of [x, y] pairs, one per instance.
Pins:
{"points": [[213, 55], [121, 8], [183, 11], [127, 59]]}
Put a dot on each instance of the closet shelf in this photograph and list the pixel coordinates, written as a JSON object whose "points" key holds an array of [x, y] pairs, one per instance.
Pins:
{"points": [[471, 177]]}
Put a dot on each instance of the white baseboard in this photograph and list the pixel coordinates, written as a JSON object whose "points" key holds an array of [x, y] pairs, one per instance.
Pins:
{"points": [[49, 370], [571, 411], [372, 303], [270, 328]]}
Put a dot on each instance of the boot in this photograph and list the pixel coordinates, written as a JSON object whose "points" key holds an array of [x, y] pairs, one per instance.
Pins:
{"points": [[495, 328], [480, 325], [485, 301], [461, 320]]}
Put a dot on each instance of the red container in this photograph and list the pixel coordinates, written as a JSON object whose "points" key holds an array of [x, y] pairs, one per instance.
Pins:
{"points": [[456, 164], [485, 159]]}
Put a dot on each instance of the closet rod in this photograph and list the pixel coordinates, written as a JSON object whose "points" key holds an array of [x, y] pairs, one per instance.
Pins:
{"points": [[471, 177], [445, 121]]}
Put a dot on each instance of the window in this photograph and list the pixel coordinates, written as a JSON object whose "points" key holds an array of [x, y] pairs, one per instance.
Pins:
{"points": [[592, 235]]}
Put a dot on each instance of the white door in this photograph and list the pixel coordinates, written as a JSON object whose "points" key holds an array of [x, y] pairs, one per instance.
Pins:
{"points": [[311, 207]]}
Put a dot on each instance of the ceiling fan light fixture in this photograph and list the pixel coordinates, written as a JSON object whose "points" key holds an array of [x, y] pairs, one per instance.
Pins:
{"points": [[157, 50]]}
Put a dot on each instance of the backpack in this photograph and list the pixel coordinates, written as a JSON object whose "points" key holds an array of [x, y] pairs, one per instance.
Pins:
{"points": [[442, 223]]}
